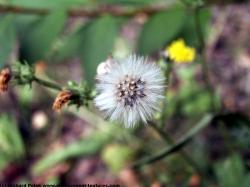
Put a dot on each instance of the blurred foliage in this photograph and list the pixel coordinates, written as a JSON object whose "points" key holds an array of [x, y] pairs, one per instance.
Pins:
{"points": [[38, 41], [11, 143], [231, 172], [42, 37], [86, 147], [189, 32], [160, 29], [98, 41], [7, 38], [117, 156]]}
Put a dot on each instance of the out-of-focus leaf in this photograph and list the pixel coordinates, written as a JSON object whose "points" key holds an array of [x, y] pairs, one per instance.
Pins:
{"points": [[71, 45], [25, 94], [189, 32], [246, 182], [11, 144], [3, 160], [204, 122], [38, 41], [116, 156], [199, 103], [98, 41], [7, 38], [231, 172], [85, 147], [190, 99], [23, 23], [160, 29]]}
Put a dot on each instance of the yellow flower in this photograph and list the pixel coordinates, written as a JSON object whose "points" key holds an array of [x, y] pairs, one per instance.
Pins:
{"points": [[178, 52]]}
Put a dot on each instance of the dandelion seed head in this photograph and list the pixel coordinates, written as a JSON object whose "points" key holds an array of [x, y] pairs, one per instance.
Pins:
{"points": [[131, 91]]}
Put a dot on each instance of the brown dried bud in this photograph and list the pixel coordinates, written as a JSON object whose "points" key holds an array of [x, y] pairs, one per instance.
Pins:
{"points": [[5, 76], [62, 98], [195, 181]]}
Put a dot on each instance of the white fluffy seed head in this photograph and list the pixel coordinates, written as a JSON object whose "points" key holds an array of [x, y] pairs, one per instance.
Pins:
{"points": [[130, 91]]}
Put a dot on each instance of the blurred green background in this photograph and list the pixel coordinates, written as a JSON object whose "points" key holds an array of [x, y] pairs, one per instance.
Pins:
{"points": [[67, 39]]}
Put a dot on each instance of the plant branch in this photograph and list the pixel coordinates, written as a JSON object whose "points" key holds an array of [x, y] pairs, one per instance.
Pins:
{"points": [[113, 10], [205, 68], [182, 153], [167, 82], [178, 145], [47, 83]]}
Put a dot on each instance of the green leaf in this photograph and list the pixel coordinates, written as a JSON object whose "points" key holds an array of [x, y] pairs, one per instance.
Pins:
{"points": [[189, 32], [7, 38], [246, 181], [38, 41], [204, 122], [98, 41], [85, 147], [230, 172], [23, 23], [71, 45], [160, 29]]}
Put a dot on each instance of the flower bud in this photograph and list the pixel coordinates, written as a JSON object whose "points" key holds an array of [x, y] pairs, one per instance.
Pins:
{"points": [[5, 77], [62, 99]]}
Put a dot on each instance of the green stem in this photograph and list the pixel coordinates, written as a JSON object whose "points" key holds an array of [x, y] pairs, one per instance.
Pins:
{"points": [[198, 28], [226, 135], [167, 78], [182, 153], [204, 64], [47, 83]]}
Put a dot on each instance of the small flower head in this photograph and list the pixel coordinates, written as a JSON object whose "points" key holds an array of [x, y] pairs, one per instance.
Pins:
{"points": [[5, 76], [179, 52], [104, 67], [130, 91], [62, 99]]}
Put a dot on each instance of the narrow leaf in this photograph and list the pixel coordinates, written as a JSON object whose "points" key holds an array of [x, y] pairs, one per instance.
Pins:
{"points": [[71, 45], [7, 38], [85, 147], [38, 41], [98, 41]]}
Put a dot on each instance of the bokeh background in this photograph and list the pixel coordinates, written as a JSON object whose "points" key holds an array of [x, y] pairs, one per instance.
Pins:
{"points": [[66, 40]]}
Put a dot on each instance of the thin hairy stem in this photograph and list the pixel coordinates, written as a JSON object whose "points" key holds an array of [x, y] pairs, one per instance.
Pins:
{"points": [[182, 153], [47, 83], [204, 63], [167, 78]]}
